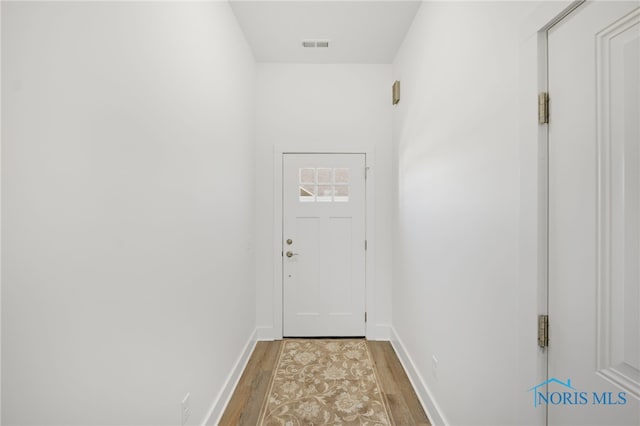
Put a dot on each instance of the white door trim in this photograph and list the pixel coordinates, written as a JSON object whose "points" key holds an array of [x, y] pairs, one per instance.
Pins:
{"points": [[532, 245], [371, 331], [543, 163]]}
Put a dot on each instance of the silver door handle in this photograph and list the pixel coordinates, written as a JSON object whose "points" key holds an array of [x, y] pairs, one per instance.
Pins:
{"points": [[290, 254]]}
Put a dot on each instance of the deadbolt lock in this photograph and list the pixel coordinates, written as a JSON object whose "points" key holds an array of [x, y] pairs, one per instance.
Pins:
{"points": [[289, 241]]}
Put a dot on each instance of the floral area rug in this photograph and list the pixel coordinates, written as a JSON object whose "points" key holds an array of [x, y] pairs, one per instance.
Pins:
{"points": [[324, 382]]}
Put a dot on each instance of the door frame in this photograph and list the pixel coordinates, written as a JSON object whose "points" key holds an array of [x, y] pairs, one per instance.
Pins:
{"points": [[279, 151], [533, 216], [544, 178]]}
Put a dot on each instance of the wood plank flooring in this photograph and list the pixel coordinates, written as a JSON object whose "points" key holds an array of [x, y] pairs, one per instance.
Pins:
{"points": [[245, 404]]}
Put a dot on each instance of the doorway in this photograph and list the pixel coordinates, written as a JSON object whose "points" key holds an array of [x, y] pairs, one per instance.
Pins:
{"points": [[324, 244]]}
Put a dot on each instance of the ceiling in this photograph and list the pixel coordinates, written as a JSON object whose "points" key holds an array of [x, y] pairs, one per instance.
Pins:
{"points": [[367, 32]]}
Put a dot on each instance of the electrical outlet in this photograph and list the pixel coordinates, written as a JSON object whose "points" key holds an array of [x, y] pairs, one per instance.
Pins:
{"points": [[185, 409], [434, 366]]}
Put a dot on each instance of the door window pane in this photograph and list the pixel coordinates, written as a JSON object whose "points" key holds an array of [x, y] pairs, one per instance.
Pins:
{"points": [[325, 176], [341, 193], [325, 193], [342, 175], [307, 176], [307, 193]]}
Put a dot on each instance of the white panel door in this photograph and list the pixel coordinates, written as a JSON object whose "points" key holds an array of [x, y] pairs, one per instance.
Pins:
{"points": [[324, 244], [594, 217]]}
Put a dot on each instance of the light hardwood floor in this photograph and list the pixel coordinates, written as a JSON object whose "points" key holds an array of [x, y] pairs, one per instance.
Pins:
{"points": [[246, 402]]}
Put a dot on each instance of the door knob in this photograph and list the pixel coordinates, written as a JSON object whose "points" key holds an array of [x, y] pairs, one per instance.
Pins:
{"points": [[290, 254]]}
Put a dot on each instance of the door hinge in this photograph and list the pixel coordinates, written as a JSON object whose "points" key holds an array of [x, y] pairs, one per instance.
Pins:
{"points": [[543, 331], [365, 244], [365, 317], [366, 172], [543, 108]]}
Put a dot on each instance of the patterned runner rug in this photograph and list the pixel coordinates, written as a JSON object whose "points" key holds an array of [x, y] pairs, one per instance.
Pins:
{"points": [[324, 382]]}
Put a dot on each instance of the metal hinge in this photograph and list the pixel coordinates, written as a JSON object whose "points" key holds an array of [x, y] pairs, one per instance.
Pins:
{"points": [[543, 108], [365, 317], [366, 172], [543, 331], [365, 244]]}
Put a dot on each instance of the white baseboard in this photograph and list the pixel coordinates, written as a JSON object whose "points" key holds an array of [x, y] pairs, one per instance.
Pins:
{"points": [[221, 401], [426, 399]]}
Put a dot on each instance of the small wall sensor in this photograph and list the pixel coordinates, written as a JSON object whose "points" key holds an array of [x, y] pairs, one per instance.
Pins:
{"points": [[395, 92]]}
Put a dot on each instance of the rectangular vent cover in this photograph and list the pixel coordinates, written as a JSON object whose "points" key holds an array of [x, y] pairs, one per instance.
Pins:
{"points": [[315, 43]]}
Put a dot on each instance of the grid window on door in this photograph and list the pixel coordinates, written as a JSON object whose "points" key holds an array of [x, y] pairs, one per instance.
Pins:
{"points": [[323, 184]]}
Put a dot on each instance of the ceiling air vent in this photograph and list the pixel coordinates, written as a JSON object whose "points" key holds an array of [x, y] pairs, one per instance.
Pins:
{"points": [[315, 43]]}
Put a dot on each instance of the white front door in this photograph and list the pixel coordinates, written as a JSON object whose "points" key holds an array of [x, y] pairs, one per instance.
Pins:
{"points": [[323, 244], [594, 217]]}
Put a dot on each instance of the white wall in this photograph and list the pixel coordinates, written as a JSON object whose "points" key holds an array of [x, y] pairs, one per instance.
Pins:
{"points": [[459, 292], [324, 108], [1, 7], [127, 209]]}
